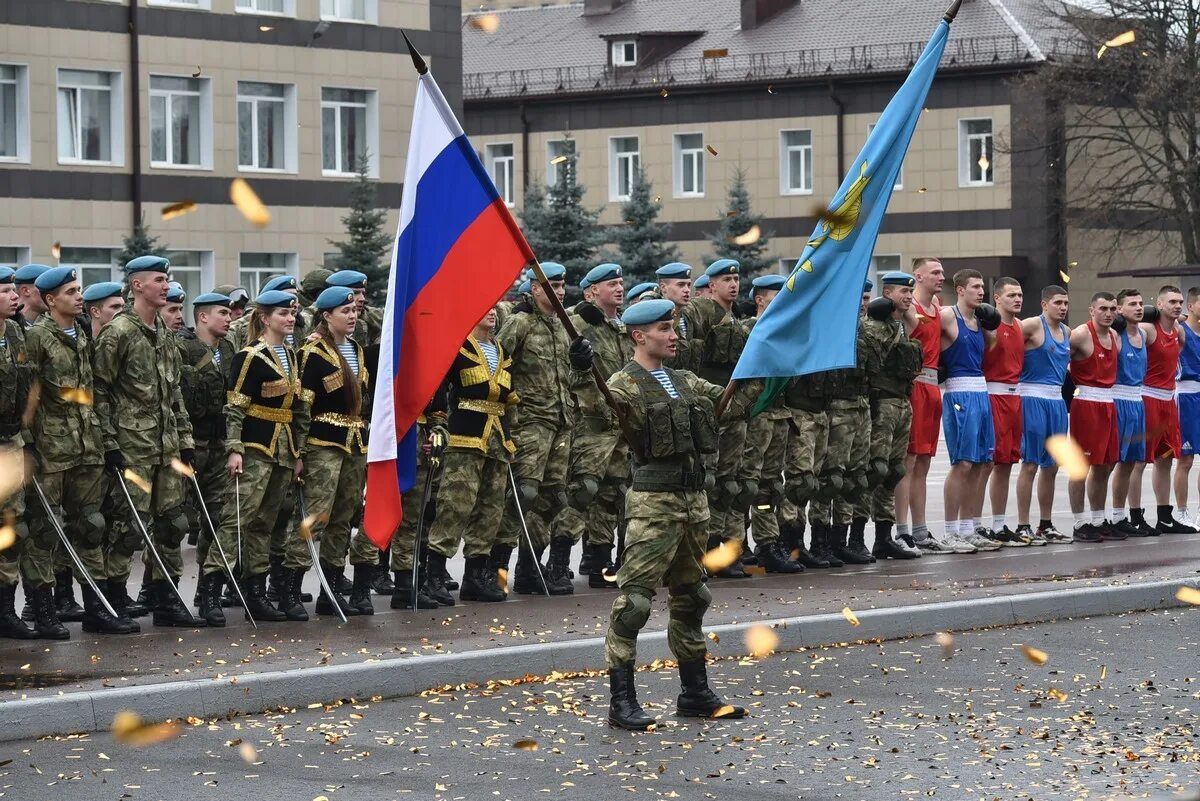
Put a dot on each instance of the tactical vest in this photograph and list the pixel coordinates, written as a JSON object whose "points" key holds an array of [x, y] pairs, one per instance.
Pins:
{"points": [[678, 433], [722, 349], [266, 394], [202, 384], [333, 422], [16, 381], [900, 366], [479, 398]]}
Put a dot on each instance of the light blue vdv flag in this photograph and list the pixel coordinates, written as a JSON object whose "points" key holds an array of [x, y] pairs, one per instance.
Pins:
{"points": [[812, 324]]}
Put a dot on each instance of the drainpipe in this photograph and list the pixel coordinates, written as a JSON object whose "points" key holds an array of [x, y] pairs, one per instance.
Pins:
{"points": [[841, 139], [135, 112], [524, 151]]}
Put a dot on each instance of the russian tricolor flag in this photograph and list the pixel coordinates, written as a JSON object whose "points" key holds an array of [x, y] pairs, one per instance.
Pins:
{"points": [[457, 251]]}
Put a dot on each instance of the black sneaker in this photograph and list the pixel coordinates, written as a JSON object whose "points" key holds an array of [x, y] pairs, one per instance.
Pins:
{"points": [[1124, 530], [1053, 536], [1088, 532], [1146, 529], [1011, 539], [1171, 525]]}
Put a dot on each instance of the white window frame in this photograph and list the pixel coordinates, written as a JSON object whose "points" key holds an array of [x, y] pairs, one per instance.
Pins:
{"points": [[964, 152], [195, 5], [290, 127], [372, 118], [114, 271], [20, 84], [551, 154], [622, 161], [24, 255], [204, 271], [900, 175], [205, 136], [292, 267], [251, 7], [506, 186], [371, 7], [617, 52], [785, 162], [682, 157], [116, 119]]}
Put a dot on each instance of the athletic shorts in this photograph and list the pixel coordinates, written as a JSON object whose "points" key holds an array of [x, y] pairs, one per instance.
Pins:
{"points": [[1162, 429], [967, 420], [926, 419], [1189, 421], [1006, 418], [1131, 430], [1094, 428], [1041, 418]]}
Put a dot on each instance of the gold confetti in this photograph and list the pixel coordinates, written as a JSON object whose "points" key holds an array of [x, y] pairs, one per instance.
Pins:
{"points": [[526, 745], [249, 753], [1066, 279], [984, 163], [128, 728], [26, 666], [8, 532], [502, 578], [178, 209], [1068, 456], [182, 469], [558, 159], [1129, 37], [750, 237], [78, 395], [321, 798], [248, 204], [137, 481], [1035, 655], [716, 52], [664, 92], [306, 525], [1189, 595], [488, 23], [761, 640], [851, 618], [712, 150], [196, 74], [712, 635], [56, 250], [770, 90], [12, 472], [723, 711], [922, 190], [946, 640], [722, 556], [1103, 672], [611, 578], [1056, 694], [266, 28]]}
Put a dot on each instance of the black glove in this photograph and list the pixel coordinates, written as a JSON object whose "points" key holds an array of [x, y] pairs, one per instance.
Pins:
{"points": [[580, 354], [988, 317], [590, 313], [881, 309], [1119, 323], [1150, 314], [114, 460], [32, 454], [188, 456]]}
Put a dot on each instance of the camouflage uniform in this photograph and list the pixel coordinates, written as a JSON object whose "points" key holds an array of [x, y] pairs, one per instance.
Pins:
{"points": [[891, 415], [404, 542], [16, 381], [806, 479], [762, 465]]}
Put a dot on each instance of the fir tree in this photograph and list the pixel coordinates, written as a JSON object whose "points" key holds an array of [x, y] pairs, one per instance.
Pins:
{"points": [[641, 241], [737, 220], [558, 226], [368, 245], [140, 243]]}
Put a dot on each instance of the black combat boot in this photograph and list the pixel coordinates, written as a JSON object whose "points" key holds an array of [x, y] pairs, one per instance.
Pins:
{"points": [[587, 563], [360, 592], [480, 582], [402, 597], [114, 591], [145, 597], [341, 583], [791, 536], [448, 580], [11, 625], [857, 542], [324, 603], [822, 545], [837, 535], [435, 585], [290, 604], [169, 610], [887, 548], [624, 710], [776, 560], [558, 576], [209, 606], [134, 608], [275, 578], [254, 587], [526, 580], [97, 619], [64, 598], [45, 617], [697, 700], [602, 566], [381, 583]]}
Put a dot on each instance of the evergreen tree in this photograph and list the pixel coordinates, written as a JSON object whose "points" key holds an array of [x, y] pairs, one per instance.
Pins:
{"points": [[641, 241], [140, 243], [368, 245], [558, 226], [737, 220]]}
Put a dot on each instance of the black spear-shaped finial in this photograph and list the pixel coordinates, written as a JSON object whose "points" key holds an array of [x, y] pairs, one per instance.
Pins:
{"points": [[949, 16], [419, 62]]}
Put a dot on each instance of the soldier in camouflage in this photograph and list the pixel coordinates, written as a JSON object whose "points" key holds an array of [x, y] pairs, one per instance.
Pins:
{"points": [[102, 302], [805, 478], [239, 329], [31, 304], [406, 554], [675, 284]]}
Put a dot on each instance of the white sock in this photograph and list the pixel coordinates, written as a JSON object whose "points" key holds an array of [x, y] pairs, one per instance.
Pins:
{"points": [[902, 529], [998, 522], [1097, 517], [1120, 514], [1081, 518], [966, 526], [951, 529]]}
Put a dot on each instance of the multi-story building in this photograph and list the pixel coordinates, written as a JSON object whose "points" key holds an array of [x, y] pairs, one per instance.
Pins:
{"points": [[111, 108], [787, 91]]}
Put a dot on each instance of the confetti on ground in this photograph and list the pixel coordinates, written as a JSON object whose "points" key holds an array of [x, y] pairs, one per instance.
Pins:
{"points": [[1189, 595]]}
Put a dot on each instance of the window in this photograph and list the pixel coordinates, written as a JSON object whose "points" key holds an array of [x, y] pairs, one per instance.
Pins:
{"points": [[347, 131], [500, 162], [899, 175], [14, 257], [332, 261], [558, 152], [14, 113], [255, 269], [788, 266], [266, 113], [180, 111], [94, 264], [192, 269], [624, 53], [89, 117], [880, 265], [689, 165], [274, 7], [975, 152], [623, 164], [204, 4], [795, 163], [350, 10]]}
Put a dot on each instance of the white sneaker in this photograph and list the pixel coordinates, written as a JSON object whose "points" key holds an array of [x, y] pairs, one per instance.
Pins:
{"points": [[1184, 518], [980, 542], [959, 544], [932, 545]]}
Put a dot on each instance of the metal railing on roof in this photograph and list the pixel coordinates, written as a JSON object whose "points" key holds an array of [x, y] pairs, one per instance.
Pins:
{"points": [[697, 71]]}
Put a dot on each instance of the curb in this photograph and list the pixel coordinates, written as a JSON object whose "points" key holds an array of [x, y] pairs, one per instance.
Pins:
{"points": [[255, 693]]}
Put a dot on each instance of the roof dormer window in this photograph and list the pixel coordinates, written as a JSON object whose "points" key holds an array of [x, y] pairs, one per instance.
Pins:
{"points": [[624, 53]]}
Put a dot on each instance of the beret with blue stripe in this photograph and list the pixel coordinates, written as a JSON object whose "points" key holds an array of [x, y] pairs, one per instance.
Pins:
{"points": [[101, 290], [898, 278], [701, 282], [29, 273], [333, 297], [723, 267], [649, 311], [868, 285], [54, 278], [275, 297], [601, 273], [142, 264], [639, 290], [211, 299], [675, 269], [347, 278], [280, 282]]}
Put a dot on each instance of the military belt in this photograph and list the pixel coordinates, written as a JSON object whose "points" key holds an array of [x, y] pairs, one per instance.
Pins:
{"points": [[666, 478], [269, 413], [334, 418], [482, 406]]}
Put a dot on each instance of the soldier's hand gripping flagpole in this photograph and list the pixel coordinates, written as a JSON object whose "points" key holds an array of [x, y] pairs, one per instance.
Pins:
{"points": [[316, 556], [62, 535], [221, 549], [150, 542], [512, 481]]}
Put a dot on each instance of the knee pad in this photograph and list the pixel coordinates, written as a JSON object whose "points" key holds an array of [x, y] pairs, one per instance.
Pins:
{"points": [[129, 540], [726, 491], [774, 492], [879, 469], [91, 527], [689, 603], [582, 491], [528, 490], [558, 499], [630, 612], [896, 473], [830, 485], [802, 488], [855, 484], [171, 527], [747, 493]]}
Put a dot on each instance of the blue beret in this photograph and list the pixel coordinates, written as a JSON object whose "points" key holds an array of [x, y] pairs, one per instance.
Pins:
{"points": [[773, 281], [639, 290], [868, 285], [554, 271], [335, 296], [175, 293], [55, 277], [701, 282], [526, 286], [674, 270], [6, 274], [280, 282], [211, 299], [147, 263], [347, 278], [101, 290], [599, 273], [275, 297], [898, 278], [649, 311], [723, 267], [29, 273]]}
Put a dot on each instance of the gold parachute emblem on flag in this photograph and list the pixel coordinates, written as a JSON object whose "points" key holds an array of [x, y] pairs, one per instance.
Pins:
{"points": [[837, 223]]}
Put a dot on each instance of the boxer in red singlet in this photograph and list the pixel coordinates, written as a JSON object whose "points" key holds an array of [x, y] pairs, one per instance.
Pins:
{"points": [[1002, 362], [1163, 440]]}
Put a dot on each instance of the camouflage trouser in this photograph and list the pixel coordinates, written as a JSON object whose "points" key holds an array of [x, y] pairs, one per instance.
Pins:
{"points": [[410, 502], [891, 419], [287, 522], [470, 503], [216, 485], [804, 461], [333, 490], [608, 511], [725, 521], [161, 512], [543, 454], [10, 573], [74, 495], [849, 453], [592, 448], [604, 460], [659, 552], [762, 470], [258, 494]]}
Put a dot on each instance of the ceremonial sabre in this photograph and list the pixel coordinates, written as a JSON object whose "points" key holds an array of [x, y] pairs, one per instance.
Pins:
{"points": [[62, 535], [512, 479], [221, 549], [316, 557], [150, 544]]}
